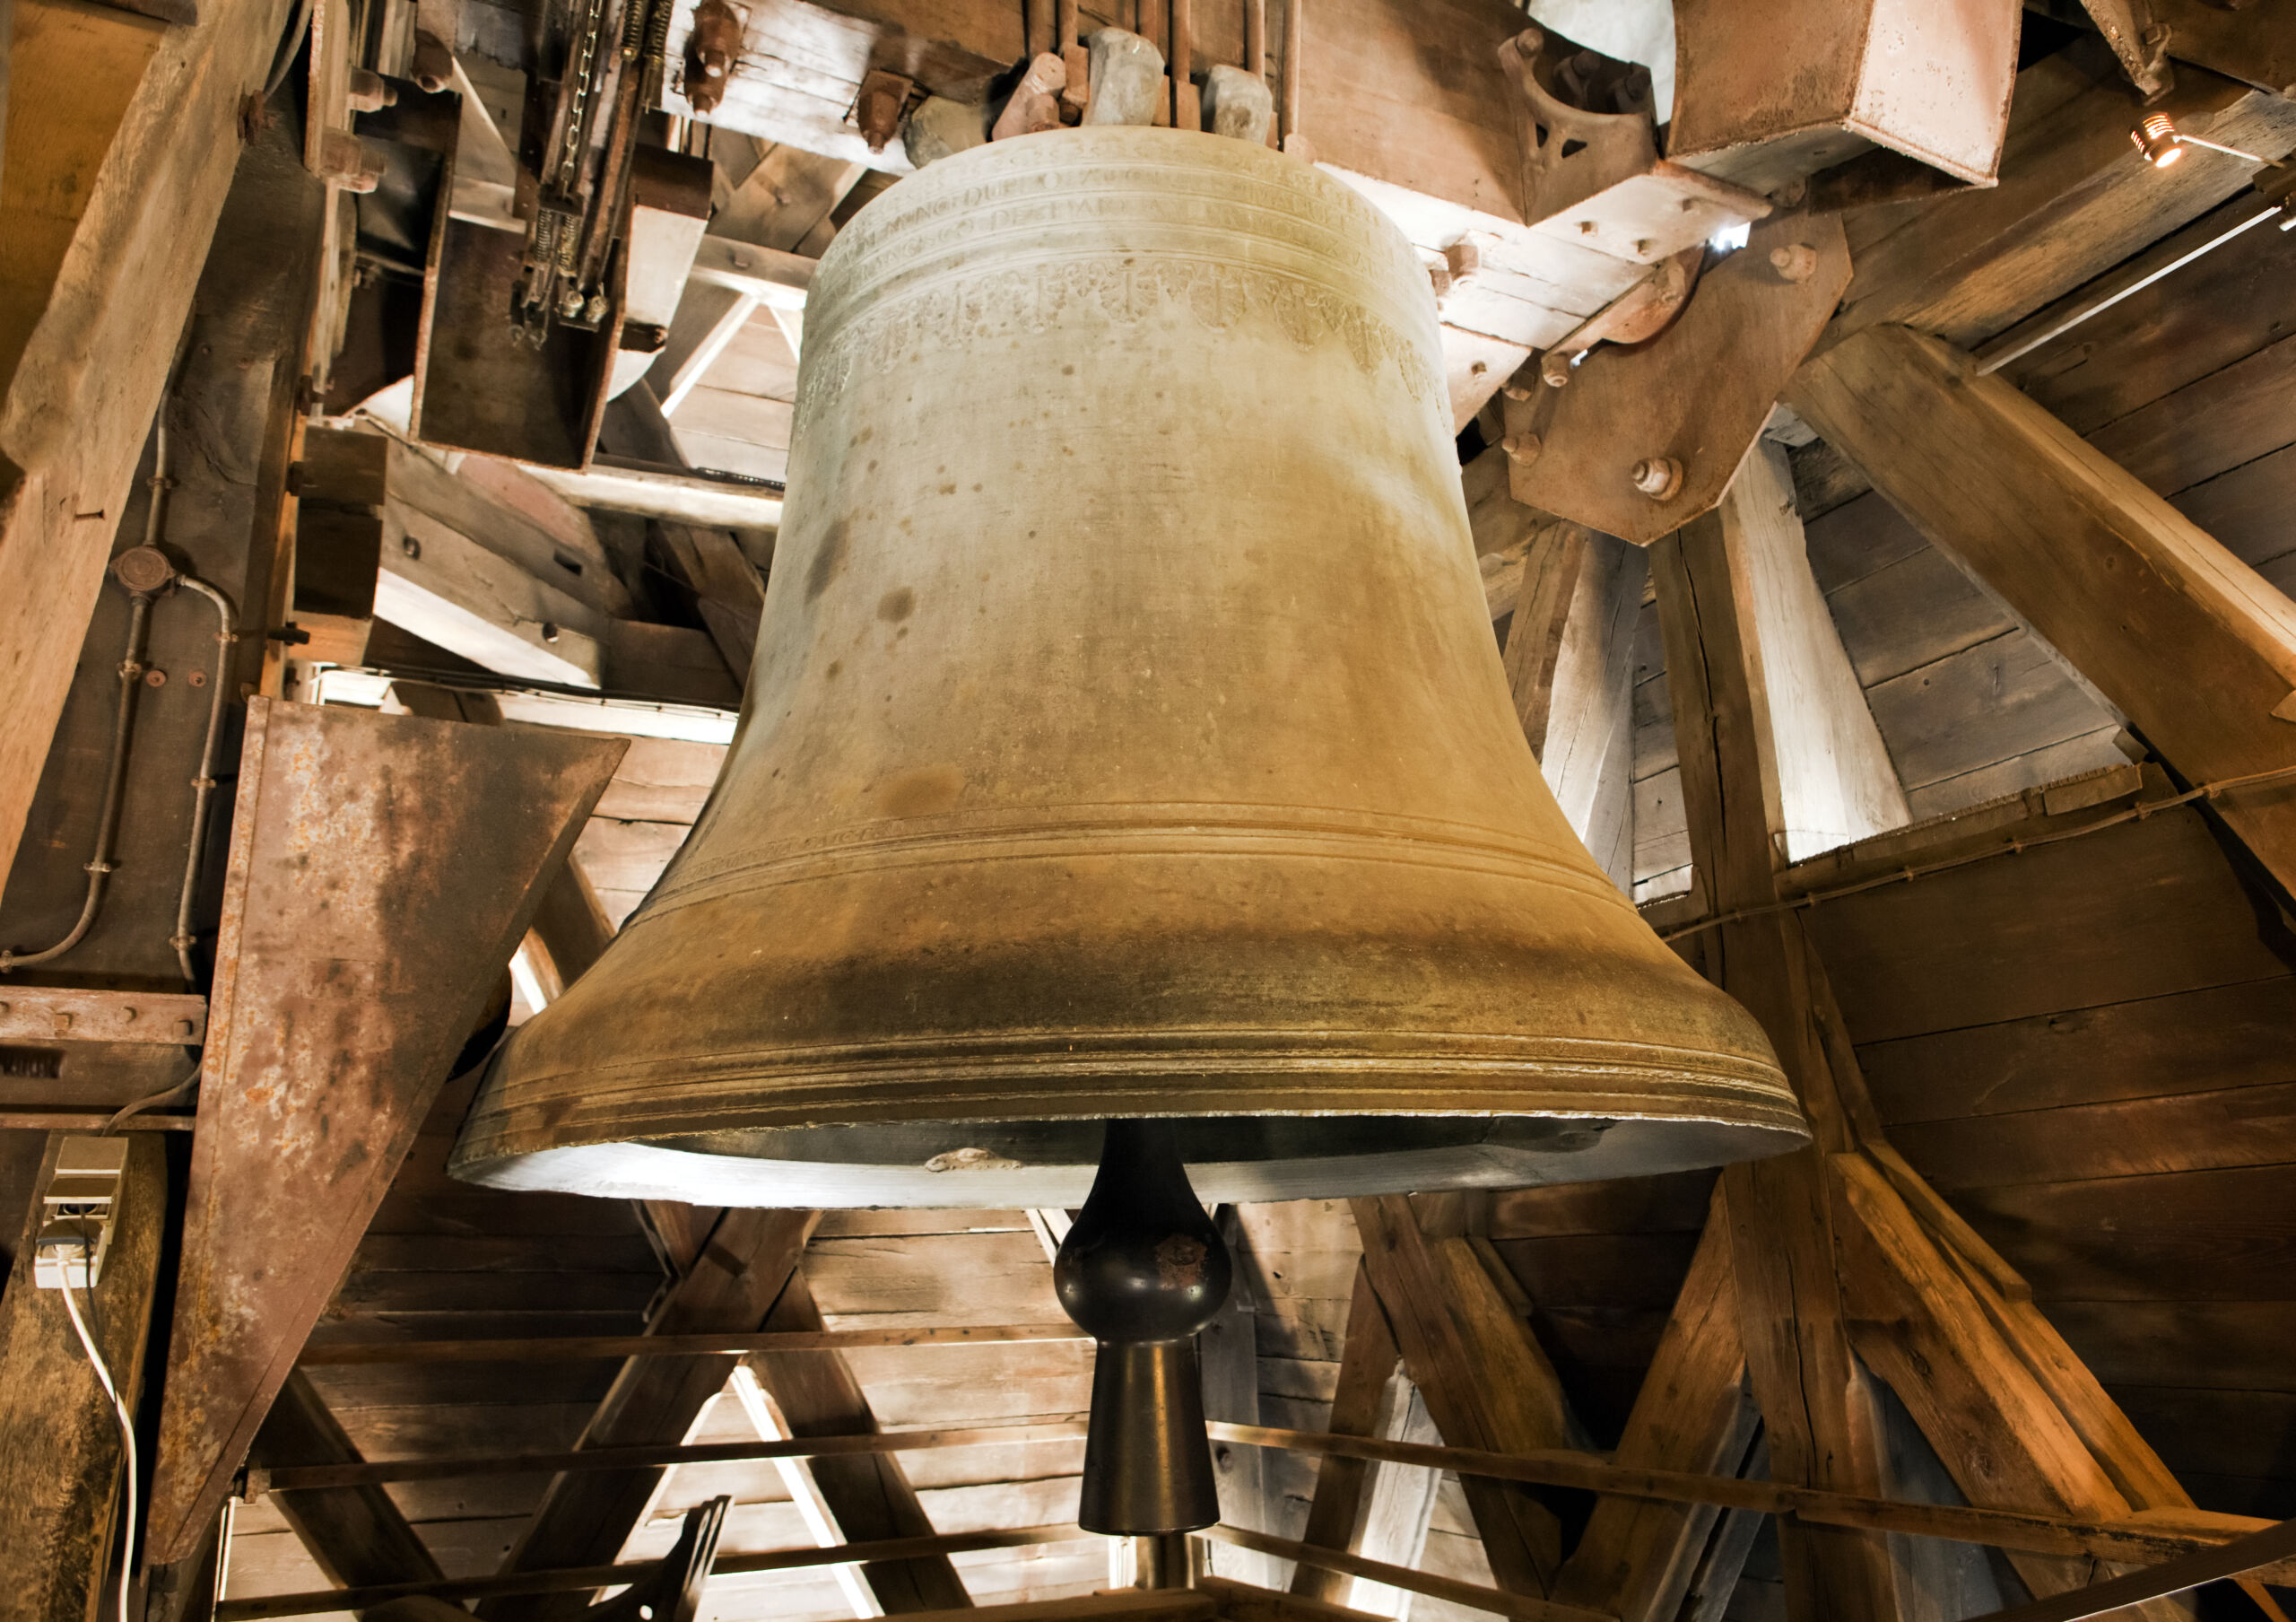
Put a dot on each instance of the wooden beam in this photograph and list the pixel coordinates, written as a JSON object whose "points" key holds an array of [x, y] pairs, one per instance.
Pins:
{"points": [[1821, 1422], [585, 1517], [1836, 783], [728, 591], [868, 1494], [1637, 1556], [1368, 1361], [356, 1535], [1486, 1382], [60, 1450], [298, 1142], [128, 136], [2191, 644]]}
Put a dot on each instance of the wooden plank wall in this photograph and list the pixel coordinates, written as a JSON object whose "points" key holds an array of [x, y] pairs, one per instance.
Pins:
{"points": [[2086, 1048]]}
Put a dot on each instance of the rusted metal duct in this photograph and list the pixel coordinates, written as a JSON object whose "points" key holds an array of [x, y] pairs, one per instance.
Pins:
{"points": [[1127, 738]]}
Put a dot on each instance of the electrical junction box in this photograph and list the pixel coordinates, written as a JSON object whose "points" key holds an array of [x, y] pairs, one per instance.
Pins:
{"points": [[79, 1211]]}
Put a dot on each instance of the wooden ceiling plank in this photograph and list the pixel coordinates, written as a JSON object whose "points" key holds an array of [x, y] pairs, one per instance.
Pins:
{"points": [[1486, 1382], [585, 1518], [2184, 638], [1637, 1556], [298, 1142]]}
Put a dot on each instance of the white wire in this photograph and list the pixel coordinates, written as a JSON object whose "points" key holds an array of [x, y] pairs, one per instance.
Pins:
{"points": [[127, 1428]]}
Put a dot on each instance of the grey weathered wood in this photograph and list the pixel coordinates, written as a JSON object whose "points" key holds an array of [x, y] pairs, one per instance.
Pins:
{"points": [[1588, 745]]}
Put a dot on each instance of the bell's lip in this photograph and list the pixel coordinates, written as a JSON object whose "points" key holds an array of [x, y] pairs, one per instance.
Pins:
{"points": [[1016, 1164]]}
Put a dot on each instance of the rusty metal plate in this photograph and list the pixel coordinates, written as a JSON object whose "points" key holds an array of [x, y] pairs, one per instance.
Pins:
{"points": [[383, 869], [1697, 394]]}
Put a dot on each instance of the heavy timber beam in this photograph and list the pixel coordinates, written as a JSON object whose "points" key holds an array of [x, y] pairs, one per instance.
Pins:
{"points": [[60, 1450], [1823, 1427], [382, 871], [1830, 1253], [127, 135], [1486, 1382], [2194, 647]]}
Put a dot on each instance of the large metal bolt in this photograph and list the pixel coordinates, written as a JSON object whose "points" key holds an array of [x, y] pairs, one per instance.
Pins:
{"points": [[1658, 477], [1799, 263], [1522, 449]]}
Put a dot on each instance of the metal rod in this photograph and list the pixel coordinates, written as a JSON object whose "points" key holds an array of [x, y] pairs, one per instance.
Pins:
{"points": [[1294, 26], [565, 1348], [2148, 1542], [1451, 1589], [2203, 1565], [579, 1579], [1991, 360], [1256, 37], [203, 786], [1182, 60], [293, 1478]]}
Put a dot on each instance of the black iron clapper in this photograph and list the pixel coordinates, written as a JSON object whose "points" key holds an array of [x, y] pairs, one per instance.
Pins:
{"points": [[1143, 1271]]}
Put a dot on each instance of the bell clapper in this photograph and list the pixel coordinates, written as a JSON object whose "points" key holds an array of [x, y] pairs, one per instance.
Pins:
{"points": [[1143, 1271]]}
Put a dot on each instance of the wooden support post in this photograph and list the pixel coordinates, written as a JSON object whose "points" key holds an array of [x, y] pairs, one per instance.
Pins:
{"points": [[1482, 1375], [60, 1450], [869, 1494], [110, 208], [1637, 1556], [2190, 643], [1822, 1421], [726, 587], [355, 1534], [584, 1518], [1229, 1353], [379, 950]]}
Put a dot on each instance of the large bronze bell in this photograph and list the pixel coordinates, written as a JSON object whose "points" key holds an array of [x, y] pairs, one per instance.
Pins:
{"points": [[1127, 738]]}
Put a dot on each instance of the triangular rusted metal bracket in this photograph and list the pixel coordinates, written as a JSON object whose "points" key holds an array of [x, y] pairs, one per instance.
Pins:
{"points": [[383, 869]]}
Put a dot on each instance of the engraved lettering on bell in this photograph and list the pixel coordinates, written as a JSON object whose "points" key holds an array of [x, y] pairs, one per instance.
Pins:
{"points": [[1186, 785]]}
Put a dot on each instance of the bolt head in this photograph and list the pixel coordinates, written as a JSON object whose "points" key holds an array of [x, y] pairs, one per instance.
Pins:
{"points": [[1657, 477]]}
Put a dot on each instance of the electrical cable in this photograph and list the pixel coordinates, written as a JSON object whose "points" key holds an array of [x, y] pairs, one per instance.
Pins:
{"points": [[1907, 874], [150, 1101], [119, 1411]]}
